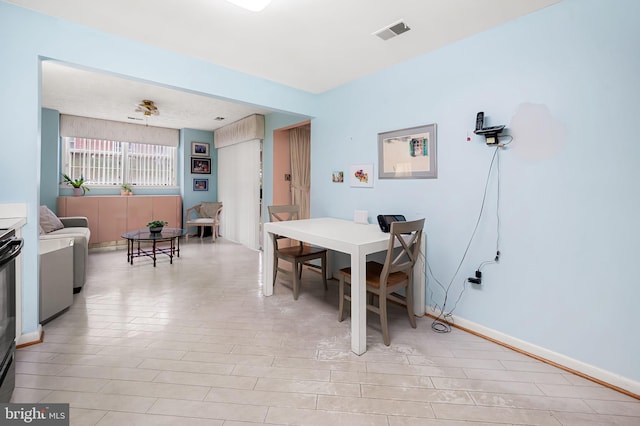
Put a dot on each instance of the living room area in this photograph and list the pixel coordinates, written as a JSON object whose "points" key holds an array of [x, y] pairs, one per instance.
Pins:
{"points": [[530, 236]]}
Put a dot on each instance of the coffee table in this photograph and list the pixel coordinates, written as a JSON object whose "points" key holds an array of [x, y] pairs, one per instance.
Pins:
{"points": [[170, 235]]}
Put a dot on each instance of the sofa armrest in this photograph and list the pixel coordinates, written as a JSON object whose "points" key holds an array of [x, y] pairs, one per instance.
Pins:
{"points": [[75, 222]]}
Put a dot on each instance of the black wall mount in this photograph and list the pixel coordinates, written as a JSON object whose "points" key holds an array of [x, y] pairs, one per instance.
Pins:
{"points": [[490, 133]]}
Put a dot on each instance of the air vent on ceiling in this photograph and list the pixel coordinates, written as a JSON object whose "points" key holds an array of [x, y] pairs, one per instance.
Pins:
{"points": [[392, 30]]}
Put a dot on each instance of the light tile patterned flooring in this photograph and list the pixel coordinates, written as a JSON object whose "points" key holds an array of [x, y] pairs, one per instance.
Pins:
{"points": [[196, 343]]}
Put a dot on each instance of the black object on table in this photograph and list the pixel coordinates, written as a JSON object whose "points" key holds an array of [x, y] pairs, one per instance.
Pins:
{"points": [[170, 235]]}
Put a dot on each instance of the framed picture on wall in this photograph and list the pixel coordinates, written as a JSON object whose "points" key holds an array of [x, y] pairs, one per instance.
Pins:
{"points": [[201, 184], [201, 165], [199, 149], [361, 175], [408, 153]]}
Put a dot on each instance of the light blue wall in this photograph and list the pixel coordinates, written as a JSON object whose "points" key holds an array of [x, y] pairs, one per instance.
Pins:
{"points": [[565, 82], [50, 168], [27, 38], [189, 196]]}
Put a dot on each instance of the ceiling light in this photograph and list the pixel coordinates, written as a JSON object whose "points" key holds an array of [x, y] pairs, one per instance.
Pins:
{"points": [[147, 108], [253, 5]]}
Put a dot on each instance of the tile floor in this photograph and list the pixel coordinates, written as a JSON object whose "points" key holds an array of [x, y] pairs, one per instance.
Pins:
{"points": [[196, 343]]}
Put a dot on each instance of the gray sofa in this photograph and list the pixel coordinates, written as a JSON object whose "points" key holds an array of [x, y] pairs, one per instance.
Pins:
{"points": [[78, 228]]}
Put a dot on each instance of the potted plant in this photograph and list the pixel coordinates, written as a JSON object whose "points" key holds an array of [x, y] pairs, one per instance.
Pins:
{"points": [[126, 189], [79, 188], [156, 225]]}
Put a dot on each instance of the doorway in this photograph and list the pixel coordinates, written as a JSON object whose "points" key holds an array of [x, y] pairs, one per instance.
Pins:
{"points": [[291, 166]]}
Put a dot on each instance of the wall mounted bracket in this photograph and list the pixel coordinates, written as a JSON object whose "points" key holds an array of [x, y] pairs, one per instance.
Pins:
{"points": [[490, 133]]}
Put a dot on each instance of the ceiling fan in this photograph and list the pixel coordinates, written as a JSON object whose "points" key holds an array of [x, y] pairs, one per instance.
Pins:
{"points": [[147, 108]]}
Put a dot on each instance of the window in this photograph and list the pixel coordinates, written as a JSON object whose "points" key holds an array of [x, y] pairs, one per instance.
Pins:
{"points": [[104, 162]]}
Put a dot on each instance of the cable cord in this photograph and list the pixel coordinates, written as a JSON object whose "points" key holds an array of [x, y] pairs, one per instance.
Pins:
{"points": [[442, 323]]}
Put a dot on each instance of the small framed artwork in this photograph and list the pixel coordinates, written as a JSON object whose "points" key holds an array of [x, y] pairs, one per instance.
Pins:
{"points": [[337, 177], [408, 153], [201, 184], [361, 175], [201, 165], [199, 149]]}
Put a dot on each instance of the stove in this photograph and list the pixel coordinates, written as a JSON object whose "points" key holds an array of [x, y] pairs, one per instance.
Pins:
{"points": [[10, 248]]}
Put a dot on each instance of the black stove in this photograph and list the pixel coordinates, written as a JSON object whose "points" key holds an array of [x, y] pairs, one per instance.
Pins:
{"points": [[10, 248]]}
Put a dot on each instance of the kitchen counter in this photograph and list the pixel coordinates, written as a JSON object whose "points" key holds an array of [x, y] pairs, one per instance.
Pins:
{"points": [[12, 222]]}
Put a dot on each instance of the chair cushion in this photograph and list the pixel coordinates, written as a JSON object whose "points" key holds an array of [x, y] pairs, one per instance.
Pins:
{"points": [[49, 221], [203, 220], [374, 269]]}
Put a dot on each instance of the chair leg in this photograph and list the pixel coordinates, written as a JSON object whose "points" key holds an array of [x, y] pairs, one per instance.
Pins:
{"points": [[275, 268], [382, 301], [297, 268], [324, 271], [341, 299], [370, 298]]}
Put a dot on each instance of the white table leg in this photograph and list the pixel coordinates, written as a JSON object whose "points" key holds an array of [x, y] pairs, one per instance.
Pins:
{"points": [[358, 303], [267, 265]]}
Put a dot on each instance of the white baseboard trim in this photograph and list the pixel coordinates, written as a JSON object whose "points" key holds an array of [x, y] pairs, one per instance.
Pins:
{"points": [[583, 369], [30, 338]]}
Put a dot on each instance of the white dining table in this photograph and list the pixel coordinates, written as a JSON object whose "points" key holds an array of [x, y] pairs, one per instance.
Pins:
{"points": [[345, 236]]}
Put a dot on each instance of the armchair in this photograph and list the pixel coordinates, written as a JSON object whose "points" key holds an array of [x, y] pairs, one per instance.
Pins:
{"points": [[205, 214]]}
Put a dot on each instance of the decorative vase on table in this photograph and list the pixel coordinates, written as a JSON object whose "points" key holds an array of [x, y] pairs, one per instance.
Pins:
{"points": [[156, 230], [78, 192]]}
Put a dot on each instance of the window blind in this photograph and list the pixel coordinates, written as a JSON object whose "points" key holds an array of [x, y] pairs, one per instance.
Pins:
{"points": [[239, 190]]}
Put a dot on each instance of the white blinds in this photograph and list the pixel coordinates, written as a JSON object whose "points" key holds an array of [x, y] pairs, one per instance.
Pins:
{"points": [[93, 128], [103, 162], [239, 190]]}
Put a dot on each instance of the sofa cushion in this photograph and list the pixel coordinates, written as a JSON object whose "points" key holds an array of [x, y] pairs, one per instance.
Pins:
{"points": [[73, 232], [49, 221]]}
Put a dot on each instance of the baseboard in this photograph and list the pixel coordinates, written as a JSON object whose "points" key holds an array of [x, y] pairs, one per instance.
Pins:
{"points": [[582, 369], [29, 339]]}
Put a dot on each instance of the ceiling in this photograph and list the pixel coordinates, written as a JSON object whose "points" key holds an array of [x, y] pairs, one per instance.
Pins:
{"points": [[311, 45], [85, 93]]}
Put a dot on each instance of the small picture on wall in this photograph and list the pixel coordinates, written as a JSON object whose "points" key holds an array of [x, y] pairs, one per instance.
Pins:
{"points": [[199, 149], [337, 177], [201, 184], [201, 165], [361, 175]]}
